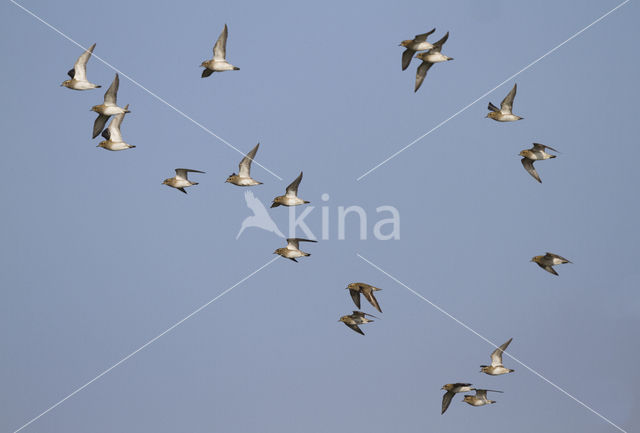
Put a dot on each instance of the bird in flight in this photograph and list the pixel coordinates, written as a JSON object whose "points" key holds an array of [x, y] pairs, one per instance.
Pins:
{"points": [[108, 108], [429, 58], [180, 181], [548, 261], [419, 43], [78, 74], [355, 289], [219, 62], [291, 195], [243, 178], [504, 114], [496, 368]]}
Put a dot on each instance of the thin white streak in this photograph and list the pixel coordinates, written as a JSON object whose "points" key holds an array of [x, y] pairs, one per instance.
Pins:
{"points": [[147, 344], [468, 328], [488, 92], [177, 110]]}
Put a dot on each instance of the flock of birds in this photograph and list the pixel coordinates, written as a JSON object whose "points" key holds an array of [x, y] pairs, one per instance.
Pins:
{"points": [[429, 54]]}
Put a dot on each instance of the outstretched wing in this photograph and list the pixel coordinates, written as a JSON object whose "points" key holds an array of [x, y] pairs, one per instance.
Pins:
{"points": [[423, 36], [292, 189], [114, 127], [406, 58], [98, 125], [111, 95], [421, 73], [528, 165], [355, 295], [220, 48], [245, 163], [182, 172], [446, 401], [542, 147], [496, 356], [80, 66], [355, 327], [507, 103], [437, 46], [368, 293]]}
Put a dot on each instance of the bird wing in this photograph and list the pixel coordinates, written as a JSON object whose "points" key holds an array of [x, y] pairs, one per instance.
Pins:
{"points": [[80, 66], [507, 103], [552, 256], [355, 327], [368, 293], [496, 356], [423, 36], [293, 243], [406, 58], [292, 189], [437, 46], [111, 95], [114, 127], [220, 48], [99, 123], [446, 400], [245, 163], [355, 295], [549, 269], [182, 172], [421, 73], [542, 147], [528, 165], [493, 107], [481, 393]]}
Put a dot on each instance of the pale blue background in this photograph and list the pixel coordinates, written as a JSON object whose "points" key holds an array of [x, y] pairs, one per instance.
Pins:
{"points": [[98, 257]]}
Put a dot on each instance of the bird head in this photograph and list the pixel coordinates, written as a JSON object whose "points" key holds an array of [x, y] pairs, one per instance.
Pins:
{"points": [[405, 43], [65, 83], [94, 108], [230, 178]]}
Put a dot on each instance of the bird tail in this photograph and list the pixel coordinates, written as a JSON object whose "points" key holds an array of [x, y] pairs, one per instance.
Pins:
{"points": [[235, 68], [306, 254], [274, 204], [552, 156], [304, 201], [97, 87], [195, 183]]}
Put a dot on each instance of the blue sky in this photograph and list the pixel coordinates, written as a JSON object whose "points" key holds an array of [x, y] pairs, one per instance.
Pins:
{"points": [[99, 257]]}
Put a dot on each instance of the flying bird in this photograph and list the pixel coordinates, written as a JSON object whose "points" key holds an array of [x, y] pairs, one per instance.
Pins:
{"points": [[291, 196], [547, 262], [181, 181], [78, 74], [504, 114], [453, 389], [429, 58], [355, 289], [480, 399], [496, 368], [113, 136], [243, 178], [537, 152], [108, 108], [219, 62], [355, 319], [292, 251], [260, 217], [419, 43]]}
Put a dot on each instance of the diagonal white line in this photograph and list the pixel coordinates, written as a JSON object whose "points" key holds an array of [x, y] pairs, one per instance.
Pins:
{"points": [[172, 327], [177, 110], [490, 91], [468, 328]]}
